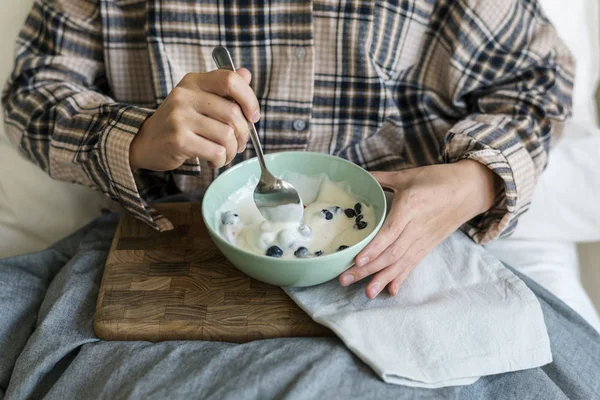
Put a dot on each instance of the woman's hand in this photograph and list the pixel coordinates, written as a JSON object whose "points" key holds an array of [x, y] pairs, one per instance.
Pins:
{"points": [[430, 203], [198, 119]]}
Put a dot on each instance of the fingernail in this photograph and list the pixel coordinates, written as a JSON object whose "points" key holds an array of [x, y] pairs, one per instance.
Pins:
{"points": [[256, 116], [375, 290], [347, 279], [362, 261]]}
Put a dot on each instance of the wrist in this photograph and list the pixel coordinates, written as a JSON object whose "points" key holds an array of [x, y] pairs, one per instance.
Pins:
{"points": [[481, 185], [135, 157]]}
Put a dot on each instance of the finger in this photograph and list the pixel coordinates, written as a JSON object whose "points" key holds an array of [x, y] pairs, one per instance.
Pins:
{"points": [[385, 178], [396, 283], [381, 279], [418, 250], [204, 149], [181, 98], [388, 257], [245, 74], [395, 223], [394, 180], [228, 84], [225, 111], [394, 286], [395, 250], [217, 132], [386, 275], [356, 274], [409, 264]]}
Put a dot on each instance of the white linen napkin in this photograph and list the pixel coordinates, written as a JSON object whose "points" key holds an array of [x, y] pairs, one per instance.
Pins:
{"points": [[460, 315]]}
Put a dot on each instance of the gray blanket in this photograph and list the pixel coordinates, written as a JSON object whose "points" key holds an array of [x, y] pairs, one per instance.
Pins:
{"points": [[48, 348]]}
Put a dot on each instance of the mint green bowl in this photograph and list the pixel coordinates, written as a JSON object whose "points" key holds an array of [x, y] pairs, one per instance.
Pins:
{"points": [[293, 272]]}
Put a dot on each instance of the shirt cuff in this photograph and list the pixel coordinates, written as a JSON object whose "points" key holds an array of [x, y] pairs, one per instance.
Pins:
{"points": [[516, 170], [113, 150]]}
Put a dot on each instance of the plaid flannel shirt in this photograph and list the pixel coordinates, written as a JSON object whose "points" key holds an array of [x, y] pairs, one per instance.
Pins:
{"points": [[386, 84]]}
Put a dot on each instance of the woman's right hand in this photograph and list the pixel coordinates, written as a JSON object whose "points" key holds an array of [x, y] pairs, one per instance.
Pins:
{"points": [[198, 119]]}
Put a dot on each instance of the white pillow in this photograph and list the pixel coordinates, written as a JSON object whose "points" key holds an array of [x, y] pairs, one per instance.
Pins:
{"points": [[566, 201], [35, 211], [576, 22]]}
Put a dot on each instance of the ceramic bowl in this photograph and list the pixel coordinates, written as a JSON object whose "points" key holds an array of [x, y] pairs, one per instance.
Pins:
{"points": [[293, 271]]}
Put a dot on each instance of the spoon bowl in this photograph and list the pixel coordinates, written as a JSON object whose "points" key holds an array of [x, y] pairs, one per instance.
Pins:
{"points": [[277, 200]]}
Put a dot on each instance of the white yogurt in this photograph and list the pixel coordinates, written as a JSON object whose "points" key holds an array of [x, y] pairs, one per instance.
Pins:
{"points": [[284, 213], [325, 229]]}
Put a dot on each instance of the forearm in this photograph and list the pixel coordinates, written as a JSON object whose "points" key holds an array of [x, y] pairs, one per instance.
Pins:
{"points": [[516, 100]]}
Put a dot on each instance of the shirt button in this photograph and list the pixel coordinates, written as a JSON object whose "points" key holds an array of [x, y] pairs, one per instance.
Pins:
{"points": [[299, 125], [300, 52]]}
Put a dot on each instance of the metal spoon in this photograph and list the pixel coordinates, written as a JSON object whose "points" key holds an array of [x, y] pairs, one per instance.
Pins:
{"points": [[276, 199]]}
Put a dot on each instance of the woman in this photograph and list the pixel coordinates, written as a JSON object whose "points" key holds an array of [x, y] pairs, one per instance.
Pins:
{"points": [[454, 103]]}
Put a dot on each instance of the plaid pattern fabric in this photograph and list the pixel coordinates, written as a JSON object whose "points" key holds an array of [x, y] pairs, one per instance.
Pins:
{"points": [[386, 84]]}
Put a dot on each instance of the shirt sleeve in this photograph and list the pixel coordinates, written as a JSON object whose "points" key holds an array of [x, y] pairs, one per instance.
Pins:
{"points": [[514, 77], [57, 107]]}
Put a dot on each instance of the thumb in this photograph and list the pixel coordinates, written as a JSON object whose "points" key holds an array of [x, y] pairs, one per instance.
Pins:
{"points": [[386, 179], [245, 74]]}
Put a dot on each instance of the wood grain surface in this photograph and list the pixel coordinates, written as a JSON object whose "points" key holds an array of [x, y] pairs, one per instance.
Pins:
{"points": [[178, 286]]}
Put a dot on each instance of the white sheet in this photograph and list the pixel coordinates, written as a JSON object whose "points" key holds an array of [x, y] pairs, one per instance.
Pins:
{"points": [[554, 265]]}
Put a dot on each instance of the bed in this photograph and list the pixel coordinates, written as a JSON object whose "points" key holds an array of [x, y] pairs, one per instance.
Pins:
{"points": [[56, 345]]}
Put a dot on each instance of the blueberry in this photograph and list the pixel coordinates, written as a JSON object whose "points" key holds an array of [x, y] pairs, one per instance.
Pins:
{"points": [[358, 208], [328, 214], [274, 251], [359, 218], [350, 213], [305, 230], [302, 252], [342, 247], [318, 253], [360, 225], [230, 218]]}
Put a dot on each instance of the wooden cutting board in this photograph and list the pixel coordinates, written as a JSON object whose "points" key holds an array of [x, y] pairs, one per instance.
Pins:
{"points": [[178, 286]]}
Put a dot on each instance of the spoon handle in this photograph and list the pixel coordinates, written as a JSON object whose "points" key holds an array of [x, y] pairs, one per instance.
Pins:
{"points": [[223, 60]]}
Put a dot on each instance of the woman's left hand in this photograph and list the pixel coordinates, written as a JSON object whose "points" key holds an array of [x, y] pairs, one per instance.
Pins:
{"points": [[429, 204]]}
